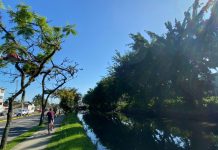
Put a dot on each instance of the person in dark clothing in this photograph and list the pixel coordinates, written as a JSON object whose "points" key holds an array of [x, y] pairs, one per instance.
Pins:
{"points": [[50, 115]]}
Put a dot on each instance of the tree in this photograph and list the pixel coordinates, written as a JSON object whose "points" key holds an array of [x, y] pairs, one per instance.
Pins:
{"points": [[37, 100], [104, 96], [68, 99], [27, 45], [176, 64], [57, 75]]}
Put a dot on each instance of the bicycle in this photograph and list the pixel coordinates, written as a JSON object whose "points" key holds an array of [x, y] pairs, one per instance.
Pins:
{"points": [[50, 126]]}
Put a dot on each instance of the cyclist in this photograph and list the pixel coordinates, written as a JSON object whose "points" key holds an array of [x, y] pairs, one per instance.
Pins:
{"points": [[50, 115]]}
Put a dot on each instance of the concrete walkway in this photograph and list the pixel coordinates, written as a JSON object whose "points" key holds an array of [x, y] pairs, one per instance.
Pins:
{"points": [[40, 139]]}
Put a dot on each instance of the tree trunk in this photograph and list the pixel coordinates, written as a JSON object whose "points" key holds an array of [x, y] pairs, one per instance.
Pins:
{"points": [[7, 126], [42, 101], [22, 99], [42, 115], [24, 92], [44, 104]]}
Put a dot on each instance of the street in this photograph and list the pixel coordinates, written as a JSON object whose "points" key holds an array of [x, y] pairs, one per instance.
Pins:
{"points": [[19, 126]]}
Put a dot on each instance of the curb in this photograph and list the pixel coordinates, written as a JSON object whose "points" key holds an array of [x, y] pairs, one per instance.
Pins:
{"points": [[17, 118]]}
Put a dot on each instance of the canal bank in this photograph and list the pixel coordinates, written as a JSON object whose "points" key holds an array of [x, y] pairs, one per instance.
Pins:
{"points": [[70, 136]]}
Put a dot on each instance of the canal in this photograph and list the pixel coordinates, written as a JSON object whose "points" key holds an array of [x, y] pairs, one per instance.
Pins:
{"points": [[119, 132]]}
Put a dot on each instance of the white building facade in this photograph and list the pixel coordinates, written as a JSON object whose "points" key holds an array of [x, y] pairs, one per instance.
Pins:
{"points": [[2, 93]]}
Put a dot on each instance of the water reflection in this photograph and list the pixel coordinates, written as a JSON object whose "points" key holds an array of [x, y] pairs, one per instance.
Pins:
{"points": [[90, 133], [118, 132]]}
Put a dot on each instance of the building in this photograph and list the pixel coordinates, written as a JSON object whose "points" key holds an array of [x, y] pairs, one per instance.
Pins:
{"points": [[29, 106], [2, 93]]}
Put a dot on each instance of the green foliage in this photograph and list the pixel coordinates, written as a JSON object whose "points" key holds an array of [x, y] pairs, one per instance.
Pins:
{"points": [[123, 102], [172, 69], [39, 38], [37, 100], [176, 102], [29, 68], [121, 105], [23, 17], [69, 29], [103, 97], [211, 100], [68, 99], [210, 103]]}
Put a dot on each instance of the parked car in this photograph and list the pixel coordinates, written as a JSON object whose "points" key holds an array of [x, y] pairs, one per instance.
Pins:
{"points": [[3, 113], [22, 112]]}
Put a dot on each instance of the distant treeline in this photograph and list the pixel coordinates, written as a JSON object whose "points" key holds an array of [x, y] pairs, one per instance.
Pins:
{"points": [[170, 70]]}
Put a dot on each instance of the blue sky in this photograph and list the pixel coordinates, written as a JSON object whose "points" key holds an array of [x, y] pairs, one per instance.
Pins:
{"points": [[103, 26]]}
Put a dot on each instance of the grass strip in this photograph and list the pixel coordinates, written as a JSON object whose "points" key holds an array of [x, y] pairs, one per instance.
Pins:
{"points": [[70, 136], [23, 137]]}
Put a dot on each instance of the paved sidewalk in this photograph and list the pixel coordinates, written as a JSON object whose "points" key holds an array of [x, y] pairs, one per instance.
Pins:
{"points": [[40, 139]]}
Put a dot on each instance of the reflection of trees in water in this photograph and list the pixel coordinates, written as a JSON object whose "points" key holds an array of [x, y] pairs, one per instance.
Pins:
{"points": [[120, 132]]}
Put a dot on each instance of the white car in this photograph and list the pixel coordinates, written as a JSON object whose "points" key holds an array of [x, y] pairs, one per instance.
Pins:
{"points": [[22, 112]]}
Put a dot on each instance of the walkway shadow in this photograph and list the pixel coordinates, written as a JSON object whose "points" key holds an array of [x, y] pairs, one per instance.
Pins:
{"points": [[15, 131], [40, 143], [38, 140]]}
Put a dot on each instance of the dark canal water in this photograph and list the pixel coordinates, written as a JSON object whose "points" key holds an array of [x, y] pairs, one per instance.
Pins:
{"points": [[134, 133]]}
